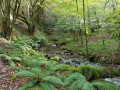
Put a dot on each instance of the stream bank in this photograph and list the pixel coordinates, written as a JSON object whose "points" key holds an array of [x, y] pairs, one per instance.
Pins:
{"points": [[74, 59]]}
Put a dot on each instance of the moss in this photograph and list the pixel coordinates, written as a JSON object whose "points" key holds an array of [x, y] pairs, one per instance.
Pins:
{"points": [[110, 72], [90, 72], [118, 70], [13, 77], [65, 68], [56, 58]]}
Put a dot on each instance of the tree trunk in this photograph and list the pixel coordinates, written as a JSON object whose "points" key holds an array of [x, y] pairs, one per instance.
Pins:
{"points": [[80, 30], [85, 29]]}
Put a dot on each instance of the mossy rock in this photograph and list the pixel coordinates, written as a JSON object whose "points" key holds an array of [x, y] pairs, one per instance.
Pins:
{"points": [[90, 72], [56, 58], [65, 68], [118, 70], [110, 72], [68, 68]]}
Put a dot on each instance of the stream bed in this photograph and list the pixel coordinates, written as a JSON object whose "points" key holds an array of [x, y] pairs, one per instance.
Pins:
{"points": [[74, 59]]}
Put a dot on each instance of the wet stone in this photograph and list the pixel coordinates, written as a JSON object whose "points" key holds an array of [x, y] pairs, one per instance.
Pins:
{"points": [[116, 80]]}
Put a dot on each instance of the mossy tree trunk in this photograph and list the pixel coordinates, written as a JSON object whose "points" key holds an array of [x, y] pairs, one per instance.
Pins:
{"points": [[35, 10], [8, 8]]}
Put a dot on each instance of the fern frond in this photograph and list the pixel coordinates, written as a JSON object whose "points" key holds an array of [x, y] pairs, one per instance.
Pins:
{"points": [[47, 64], [11, 63], [47, 86], [2, 55], [26, 73], [73, 77], [87, 86], [28, 85], [104, 85], [36, 71], [53, 79], [57, 67], [77, 84], [8, 57], [16, 58]]}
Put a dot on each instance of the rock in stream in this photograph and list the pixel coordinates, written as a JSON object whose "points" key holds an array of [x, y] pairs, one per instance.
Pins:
{"points": [[115, 80]]}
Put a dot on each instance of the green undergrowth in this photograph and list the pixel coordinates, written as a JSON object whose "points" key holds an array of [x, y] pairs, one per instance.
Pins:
{"points": [[92, 72], [45, 73], [63, 41], [97, 51]]}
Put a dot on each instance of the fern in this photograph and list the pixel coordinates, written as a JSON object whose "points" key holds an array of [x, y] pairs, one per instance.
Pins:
{"points": [[10, 59], [73, 77], [47, 86], [41, 78], [53, 79], [87, 86], [36, 71], [104, 85], [16, 58], [56, 67], [11, 63], [28, 85], [77, 84], [26, 73]]}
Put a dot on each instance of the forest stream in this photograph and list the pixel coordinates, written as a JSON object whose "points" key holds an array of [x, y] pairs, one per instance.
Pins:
{"points": [[74, 59]]}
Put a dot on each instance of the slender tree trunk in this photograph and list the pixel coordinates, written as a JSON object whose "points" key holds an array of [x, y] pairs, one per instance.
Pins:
{"points": [[88, 14], [119, 47], [80, 30], [113, 5], [97, 20], [8, 21], [107, 1], [85, 29]]}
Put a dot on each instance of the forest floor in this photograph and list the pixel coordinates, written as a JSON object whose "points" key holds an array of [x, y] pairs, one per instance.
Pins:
{"points": [[6, 82]]}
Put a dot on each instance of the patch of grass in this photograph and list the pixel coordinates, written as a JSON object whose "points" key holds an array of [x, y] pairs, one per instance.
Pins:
{"points": [[97, 51], [63, 41], [72, 46]]}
